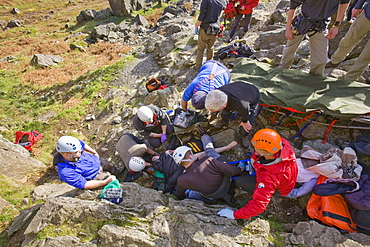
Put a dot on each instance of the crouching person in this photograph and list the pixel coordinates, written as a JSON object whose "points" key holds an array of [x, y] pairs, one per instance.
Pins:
{"points": [[166, 165], [132, 151], [276, 168], [206, 177], [80, 166]]}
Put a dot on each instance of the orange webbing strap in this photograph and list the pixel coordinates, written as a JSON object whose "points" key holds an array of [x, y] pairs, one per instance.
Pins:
{"points": [[328, 129], [273, 118], [302, 120]]}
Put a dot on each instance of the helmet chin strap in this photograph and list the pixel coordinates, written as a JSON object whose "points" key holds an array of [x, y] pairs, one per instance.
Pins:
{"points": [[188, 159]]}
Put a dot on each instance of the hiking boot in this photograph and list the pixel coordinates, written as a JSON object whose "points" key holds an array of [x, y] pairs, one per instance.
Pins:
{"points": [[219, 124], [331, 65], [132, 176], [200, 129], [342, 144], [245, 142]]}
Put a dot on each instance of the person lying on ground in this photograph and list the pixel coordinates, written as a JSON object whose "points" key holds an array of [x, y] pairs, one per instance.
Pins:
{"points": [[275, 165], [80, 166]]}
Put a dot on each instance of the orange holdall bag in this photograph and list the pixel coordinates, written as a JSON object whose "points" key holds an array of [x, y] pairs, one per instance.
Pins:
{"points": [[330, 210]]}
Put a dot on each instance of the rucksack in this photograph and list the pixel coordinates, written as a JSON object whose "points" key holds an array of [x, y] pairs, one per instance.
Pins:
{"points": [[330, 210], [359, 202], [213, 29], [27, 139], [195, 144], [234, 50], [230, 11], [154, 84]]}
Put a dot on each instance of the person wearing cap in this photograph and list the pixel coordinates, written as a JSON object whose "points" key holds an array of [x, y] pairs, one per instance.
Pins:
{"points": [[238, 97], [80, 166], [205, 178], [134, 154], [276, 168], [154, 125], [211, 75]]}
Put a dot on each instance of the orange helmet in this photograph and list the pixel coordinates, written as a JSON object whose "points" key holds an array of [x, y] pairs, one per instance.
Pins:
{"points": [[267, 139]]}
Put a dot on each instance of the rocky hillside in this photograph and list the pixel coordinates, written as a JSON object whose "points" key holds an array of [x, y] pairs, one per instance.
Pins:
{"points": [[161, 46]]}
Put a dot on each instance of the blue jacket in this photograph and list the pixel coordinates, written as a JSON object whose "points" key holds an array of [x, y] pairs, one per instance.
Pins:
{"points": [[77, 173], [365, 5], [205, 71]]}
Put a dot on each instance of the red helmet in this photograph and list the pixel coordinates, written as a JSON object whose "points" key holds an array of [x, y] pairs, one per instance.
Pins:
{"points": [[267, 139]]}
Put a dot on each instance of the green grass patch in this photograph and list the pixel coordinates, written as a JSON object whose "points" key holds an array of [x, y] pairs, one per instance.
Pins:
{"points": [[276, 230], [13, 193], [86, 230]]}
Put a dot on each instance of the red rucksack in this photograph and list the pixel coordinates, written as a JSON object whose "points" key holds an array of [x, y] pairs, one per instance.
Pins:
{"points": [[27, 139], [230, 11]]}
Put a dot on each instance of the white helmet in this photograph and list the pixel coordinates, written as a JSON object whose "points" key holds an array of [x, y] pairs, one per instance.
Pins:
{"points": [[68, 144], [136, 164], [179, 154], [145, 114]]}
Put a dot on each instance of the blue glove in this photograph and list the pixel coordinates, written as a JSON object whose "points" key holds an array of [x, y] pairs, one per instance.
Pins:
{"points": [[196, 31], [226, 212], [163, 138], [242, 165]]}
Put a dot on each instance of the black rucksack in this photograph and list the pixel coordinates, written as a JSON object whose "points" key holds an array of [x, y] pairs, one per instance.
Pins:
{"points": [[195, 144]]}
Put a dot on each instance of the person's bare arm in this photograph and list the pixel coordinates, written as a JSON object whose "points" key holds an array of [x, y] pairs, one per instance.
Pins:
{"points": [[197, 24], [340, 14], [218, 150], [151, 151], [90, 150], [92, 184], [184, 105], [288, 27]]}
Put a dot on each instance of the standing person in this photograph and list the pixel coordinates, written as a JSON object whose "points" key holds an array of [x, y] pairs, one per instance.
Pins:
{"points": [[80, 166], [207, 178], [276, 168], [211, 75], [154, 124], [239, 97], [132, 151], [243, 8], [312, 21], [357, 31], [210, 11]]}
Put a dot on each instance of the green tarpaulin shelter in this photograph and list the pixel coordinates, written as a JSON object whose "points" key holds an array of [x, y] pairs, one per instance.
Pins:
{"points": [[302, 91]]}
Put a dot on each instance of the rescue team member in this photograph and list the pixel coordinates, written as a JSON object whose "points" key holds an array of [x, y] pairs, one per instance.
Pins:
{"points": [[153, 124], [276, 168], [204, 178], [238, 97], [211, 75]]}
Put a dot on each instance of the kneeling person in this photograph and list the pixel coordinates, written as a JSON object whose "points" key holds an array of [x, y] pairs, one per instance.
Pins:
{"points": [[206, 176], [132, 149], [276, 168]]}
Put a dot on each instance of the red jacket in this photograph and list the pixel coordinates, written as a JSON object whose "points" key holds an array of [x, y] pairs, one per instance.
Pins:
{"points": [[281, 176], [245, 6]]}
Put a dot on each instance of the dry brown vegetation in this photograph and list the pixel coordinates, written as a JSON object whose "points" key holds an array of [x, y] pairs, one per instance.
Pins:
{"points": [[46, 37]]}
